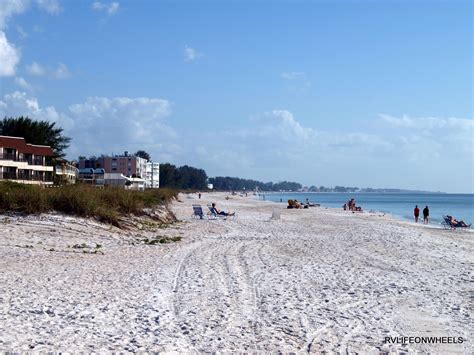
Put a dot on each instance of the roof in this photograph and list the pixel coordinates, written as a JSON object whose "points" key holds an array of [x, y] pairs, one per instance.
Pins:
{"points": [[91, 171], [20, 144]]}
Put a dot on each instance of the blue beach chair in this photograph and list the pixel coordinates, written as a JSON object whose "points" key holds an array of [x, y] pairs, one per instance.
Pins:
{"points": [[197, 212]]}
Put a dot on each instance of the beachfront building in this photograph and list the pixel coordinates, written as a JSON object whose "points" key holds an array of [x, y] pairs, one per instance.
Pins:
{"points": [[65, 173], [119, 167], [120, 180], [128, 165], [152, 175], [25, 163], [91, 176]]}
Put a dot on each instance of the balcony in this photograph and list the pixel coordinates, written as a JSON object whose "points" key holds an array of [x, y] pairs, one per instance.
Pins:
{"points": [[26, 177], [29, 160], [37, 161], [9, 156]]}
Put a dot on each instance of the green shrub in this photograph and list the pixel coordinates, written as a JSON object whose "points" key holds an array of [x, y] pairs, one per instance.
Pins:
{"points": [[106, 204]]}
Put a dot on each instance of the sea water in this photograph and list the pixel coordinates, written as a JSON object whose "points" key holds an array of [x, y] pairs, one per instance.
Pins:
{"points": [[400, 205]]}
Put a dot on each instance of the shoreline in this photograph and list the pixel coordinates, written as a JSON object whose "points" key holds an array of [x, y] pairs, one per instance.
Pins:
{"points": [[317, 279], [436, 221]]}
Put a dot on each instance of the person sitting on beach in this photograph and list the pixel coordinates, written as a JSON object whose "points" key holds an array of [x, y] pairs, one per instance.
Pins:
{"points": [[220, 212], [456, 223], [345, 206], [294, 204], [309, 204], [351, 204]]}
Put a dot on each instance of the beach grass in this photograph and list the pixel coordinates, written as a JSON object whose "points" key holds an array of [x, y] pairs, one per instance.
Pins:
{"points": [[106, 204]]}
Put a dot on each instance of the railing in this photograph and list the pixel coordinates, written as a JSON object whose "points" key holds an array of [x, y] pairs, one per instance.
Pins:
{"points": [[29, 160], [27, 177], [61, 170], [9, 156]]}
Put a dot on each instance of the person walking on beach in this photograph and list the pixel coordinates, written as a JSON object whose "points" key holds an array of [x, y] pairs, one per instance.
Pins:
{"points": [[416, 212], [426, 215]]}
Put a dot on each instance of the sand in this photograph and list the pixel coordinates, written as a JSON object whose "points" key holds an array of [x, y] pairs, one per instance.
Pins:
{"points": [[315, 280]]}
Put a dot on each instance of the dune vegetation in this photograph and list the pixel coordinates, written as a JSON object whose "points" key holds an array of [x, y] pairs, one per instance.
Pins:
{"points": [[105, 204]]}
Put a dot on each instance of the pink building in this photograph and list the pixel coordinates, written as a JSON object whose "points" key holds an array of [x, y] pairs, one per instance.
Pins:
{"points": [[120, 164]]}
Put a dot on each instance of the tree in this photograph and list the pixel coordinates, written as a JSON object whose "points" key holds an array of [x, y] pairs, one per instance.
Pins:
{"points": [[184, 177], [143, 154], [167, 175], [36, 132]]}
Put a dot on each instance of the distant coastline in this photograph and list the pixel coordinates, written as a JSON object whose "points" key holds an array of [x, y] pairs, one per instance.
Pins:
{"points": [[338, 189], [399, 204], [395, 191]]}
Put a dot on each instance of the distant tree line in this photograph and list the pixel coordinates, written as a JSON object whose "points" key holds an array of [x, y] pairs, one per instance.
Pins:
{"points": [[353, 189], [188, 177], [183, 177], [234, 183], [331, 189]]}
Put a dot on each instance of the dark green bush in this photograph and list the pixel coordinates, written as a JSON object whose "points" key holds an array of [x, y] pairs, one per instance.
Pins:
{"points": [[106, 204]]}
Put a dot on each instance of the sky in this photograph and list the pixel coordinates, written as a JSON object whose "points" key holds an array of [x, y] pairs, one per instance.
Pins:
{"points": [[352, 93]]}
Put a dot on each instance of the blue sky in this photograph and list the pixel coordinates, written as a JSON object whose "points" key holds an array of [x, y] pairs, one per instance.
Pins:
{"points": [[354, 93]]}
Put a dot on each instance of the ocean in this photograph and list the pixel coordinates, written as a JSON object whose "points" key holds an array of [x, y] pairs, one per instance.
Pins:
{"points": [[400, 205]]}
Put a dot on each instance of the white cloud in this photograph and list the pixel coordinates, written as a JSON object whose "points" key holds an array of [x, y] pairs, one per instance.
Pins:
{"points": [[9, 56], [105, 125], [52, 7], [428, 123], [109, 8], [437, 136], [275, 145], [191, 54], [9, 8], [294, 75], [36, 69], [298, 81], [22, 83], [21, 104], [102, 125], [61, 72], [286, 126]]}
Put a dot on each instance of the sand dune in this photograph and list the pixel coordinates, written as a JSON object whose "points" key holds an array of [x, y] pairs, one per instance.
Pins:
{"points": [[315, 280]]}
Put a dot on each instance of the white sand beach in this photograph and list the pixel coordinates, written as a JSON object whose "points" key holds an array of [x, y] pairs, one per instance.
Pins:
{"points": [[315, 280]]}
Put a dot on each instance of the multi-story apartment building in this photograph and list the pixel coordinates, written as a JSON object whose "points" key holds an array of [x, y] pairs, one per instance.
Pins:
{"points": [[91, 176], [65, 173], [152, 177], [127, 165], [25, 163]]}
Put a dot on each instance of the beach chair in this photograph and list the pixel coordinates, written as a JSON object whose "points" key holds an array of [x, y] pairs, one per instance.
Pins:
{"points": [[197, 212], [448, 224], [211, 214]]}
